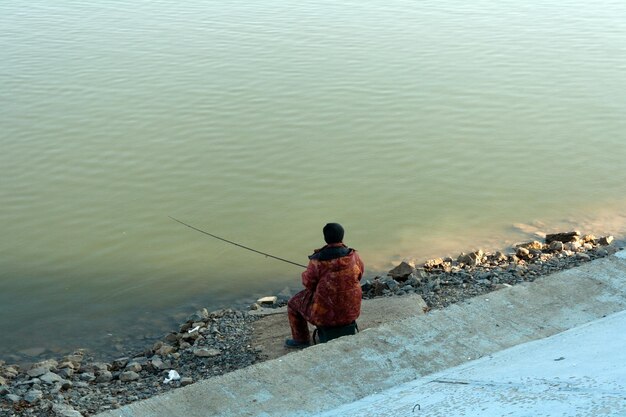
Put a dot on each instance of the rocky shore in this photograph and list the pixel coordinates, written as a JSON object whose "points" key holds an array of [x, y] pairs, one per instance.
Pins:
{"points": [[210, 344]]}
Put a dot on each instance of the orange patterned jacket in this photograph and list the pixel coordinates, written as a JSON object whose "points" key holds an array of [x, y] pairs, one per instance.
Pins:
{"points": [[333, 277]]}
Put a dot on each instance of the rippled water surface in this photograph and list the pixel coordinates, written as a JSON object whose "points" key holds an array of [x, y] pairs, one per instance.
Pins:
{"points": [[426, 128]]}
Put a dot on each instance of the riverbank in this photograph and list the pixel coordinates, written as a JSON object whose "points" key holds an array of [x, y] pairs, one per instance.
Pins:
{"points": [[209, 344]]}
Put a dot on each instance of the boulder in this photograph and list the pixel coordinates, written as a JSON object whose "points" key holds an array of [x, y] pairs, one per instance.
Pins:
{"points": [[433, 263], [605, 240], [563, 237], [186, 381], [402, 271], [165, 350], [534, 245], [522, 252], [119, 363], [133, 366]]}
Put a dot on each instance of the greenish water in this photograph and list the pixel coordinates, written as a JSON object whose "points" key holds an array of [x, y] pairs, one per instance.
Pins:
{"points": [[426, 128]]}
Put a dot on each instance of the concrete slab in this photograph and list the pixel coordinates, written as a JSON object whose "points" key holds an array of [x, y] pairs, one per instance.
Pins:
{"points": [[324, 377], [272, 329], [579, 372]]}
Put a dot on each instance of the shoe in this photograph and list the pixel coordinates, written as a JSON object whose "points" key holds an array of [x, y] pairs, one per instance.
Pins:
{"points": [[294, 344]]}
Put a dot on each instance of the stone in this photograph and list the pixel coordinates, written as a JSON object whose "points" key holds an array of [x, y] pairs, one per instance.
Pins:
{"points": [[129, 376], [471, 259], [572, 246], [186, 381], [65, 373], [10, 371], [157, 363], [4, 390], [50, 378], [104, 376], [402, 271], [606, 240], [556, 246], [413, 280], [583, 256], [33, 396], [87, 377], [522, 252], [165, 350], [534, 245], [206, 352], [13, 398], [119, 363], [64, 410], [392, 284], [133, 366], [3, 381], [37, 372], [433, 263], [267, 301], [563, 237], [200, 315], [589, 239]]}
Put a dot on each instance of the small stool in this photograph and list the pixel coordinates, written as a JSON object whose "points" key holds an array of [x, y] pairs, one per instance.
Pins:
{"points": [[323, 334]]}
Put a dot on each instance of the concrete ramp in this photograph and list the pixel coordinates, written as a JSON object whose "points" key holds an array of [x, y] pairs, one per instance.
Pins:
{"points": [[324, 377]]}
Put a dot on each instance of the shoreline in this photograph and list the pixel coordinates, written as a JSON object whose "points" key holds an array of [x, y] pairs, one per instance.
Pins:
{"points": [[210, 344]]}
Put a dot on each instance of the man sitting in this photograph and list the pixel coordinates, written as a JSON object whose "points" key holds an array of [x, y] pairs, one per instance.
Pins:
{"points": [[332, 289]]}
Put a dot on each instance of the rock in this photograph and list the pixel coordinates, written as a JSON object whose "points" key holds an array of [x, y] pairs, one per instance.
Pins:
{"points": [[129, 376], [65, 373], [589, 239], [13, 398], [267, 301], [413, 280], [3, 382], [50, 378], [392, 284], [572, 246], [402, 271], [471, 259], [583, 256], [4, 390], [157, 363], [556, 246], [10, 371], [119, 363], [64, 410], [606, 240], [206, 352], [165, 350], [186, 381], [534, 245], [37, 372], [432, 263], [33, 396], [563, 237], [87, 377], [254, 306], [199, 315], [522, 252], [104, 376], [133, 366]]}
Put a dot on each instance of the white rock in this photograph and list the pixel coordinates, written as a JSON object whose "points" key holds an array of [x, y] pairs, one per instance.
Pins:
{"points": [[171, 376], [267, 301]]}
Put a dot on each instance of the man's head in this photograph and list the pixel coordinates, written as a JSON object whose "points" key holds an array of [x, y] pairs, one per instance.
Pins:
{"points": [[333, 233]]}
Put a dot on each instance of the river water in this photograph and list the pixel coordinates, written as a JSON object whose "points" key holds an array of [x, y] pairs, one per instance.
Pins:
{"points": [[425, 128]]}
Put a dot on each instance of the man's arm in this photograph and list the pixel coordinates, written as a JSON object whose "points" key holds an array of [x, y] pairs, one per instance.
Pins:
{"points": [[310, 277]]}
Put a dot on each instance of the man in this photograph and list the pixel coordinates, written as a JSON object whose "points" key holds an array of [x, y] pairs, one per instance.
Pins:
{"points": [[332, 289]]}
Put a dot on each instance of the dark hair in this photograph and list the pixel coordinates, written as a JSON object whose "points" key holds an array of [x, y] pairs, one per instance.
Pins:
{"points": [[333, 233]]}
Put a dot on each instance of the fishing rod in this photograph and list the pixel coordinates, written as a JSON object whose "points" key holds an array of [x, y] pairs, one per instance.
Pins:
{"points": [[236, 244]]}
